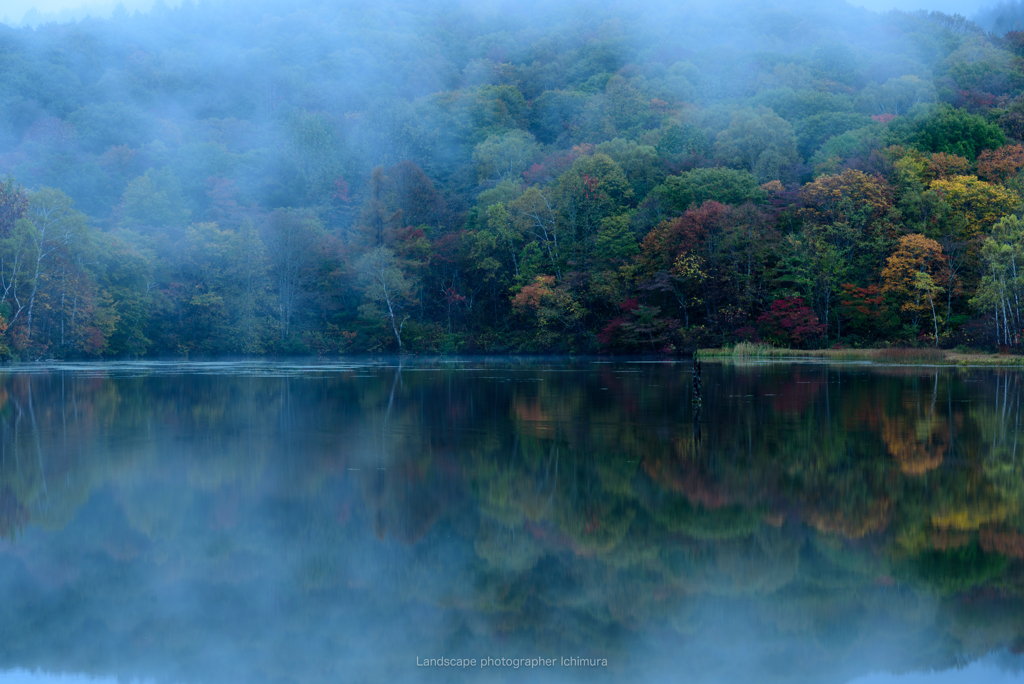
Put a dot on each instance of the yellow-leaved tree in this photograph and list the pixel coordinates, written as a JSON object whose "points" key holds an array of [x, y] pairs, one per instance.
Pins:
{"points": [[966, 210], [913, 277]]}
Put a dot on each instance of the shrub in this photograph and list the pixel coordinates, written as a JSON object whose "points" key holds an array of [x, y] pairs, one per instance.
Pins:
{"points": [[790, 323]]}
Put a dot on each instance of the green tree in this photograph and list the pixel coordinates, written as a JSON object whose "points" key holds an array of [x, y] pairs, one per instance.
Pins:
{"points": [[759, 141], [126, 276], [898, 95], [694, 188], [504, 157], [253, 299], [1001, 288], [153, 199], [593, 189], [388, 291], [293, 241], [639, 162], [55, 226], [942, 128]]}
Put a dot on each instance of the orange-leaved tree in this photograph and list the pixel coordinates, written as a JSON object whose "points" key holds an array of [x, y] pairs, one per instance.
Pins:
{"points": [[942, 165], [551, 308], [998, 166], [913, 275]]}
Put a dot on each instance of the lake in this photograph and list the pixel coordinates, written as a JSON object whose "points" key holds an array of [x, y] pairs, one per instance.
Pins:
{"points": [[543, 520]]}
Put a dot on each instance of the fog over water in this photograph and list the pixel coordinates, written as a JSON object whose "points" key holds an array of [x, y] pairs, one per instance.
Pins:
{"points": [[312, 521]]}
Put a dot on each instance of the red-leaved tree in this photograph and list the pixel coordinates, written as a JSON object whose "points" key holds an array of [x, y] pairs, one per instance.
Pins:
{"points": [[790, 323]]}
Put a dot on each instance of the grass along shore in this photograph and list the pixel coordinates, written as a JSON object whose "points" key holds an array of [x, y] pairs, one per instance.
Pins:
{"points": [[892, 355]]}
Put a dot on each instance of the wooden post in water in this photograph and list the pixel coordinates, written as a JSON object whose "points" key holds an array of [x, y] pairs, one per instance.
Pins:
{"points": [[696, 402]]}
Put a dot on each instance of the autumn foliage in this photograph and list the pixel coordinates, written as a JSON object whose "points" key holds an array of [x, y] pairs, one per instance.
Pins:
{"points": [[789, 322], [586, 190], [999, 166]]}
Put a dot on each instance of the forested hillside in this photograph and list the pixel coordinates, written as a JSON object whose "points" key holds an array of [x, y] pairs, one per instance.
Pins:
{"points": [[264, 178]]}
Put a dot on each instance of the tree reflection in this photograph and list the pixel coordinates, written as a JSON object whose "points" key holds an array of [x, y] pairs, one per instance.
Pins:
{"points": [[559, 506]]}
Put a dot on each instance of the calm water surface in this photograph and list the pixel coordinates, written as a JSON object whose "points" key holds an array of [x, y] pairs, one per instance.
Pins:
{"points": [[336, 522]]}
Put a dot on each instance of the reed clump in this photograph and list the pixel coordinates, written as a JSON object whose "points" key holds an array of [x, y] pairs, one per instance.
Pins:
{"points": [[753, 349], [911, 355], [896, 356]]}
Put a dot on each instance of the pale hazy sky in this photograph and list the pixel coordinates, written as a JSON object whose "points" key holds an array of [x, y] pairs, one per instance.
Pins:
{"points": [[14, 10], [964, 7]]}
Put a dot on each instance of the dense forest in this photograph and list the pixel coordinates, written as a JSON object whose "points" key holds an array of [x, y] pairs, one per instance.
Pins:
{"points": [[262, 178]]}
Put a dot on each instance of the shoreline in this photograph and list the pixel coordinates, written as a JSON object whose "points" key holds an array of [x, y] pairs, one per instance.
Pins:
{"points": [[892, 356]]}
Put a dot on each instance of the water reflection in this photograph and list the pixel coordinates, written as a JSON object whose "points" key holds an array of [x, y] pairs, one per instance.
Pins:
{"points": [[335, 522]]}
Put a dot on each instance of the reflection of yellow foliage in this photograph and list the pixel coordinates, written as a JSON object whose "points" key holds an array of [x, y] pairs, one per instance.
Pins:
{"points": [[912, 540], [540, 414], [970, 518], [774, 519], [917, 446], [533, 420], [853, 526]]}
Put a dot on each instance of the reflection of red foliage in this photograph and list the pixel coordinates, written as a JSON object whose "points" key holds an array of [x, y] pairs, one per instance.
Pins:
{"points": [[1008, 543], [794, 395], [344, 514], [549, 535], [883, 118], [625, 395], [865, 415], [686, 479], [869, 519], [946, 539]]}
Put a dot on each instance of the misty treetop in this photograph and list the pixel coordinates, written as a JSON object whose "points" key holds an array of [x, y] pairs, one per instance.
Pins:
{"points": [[263, 178]]}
